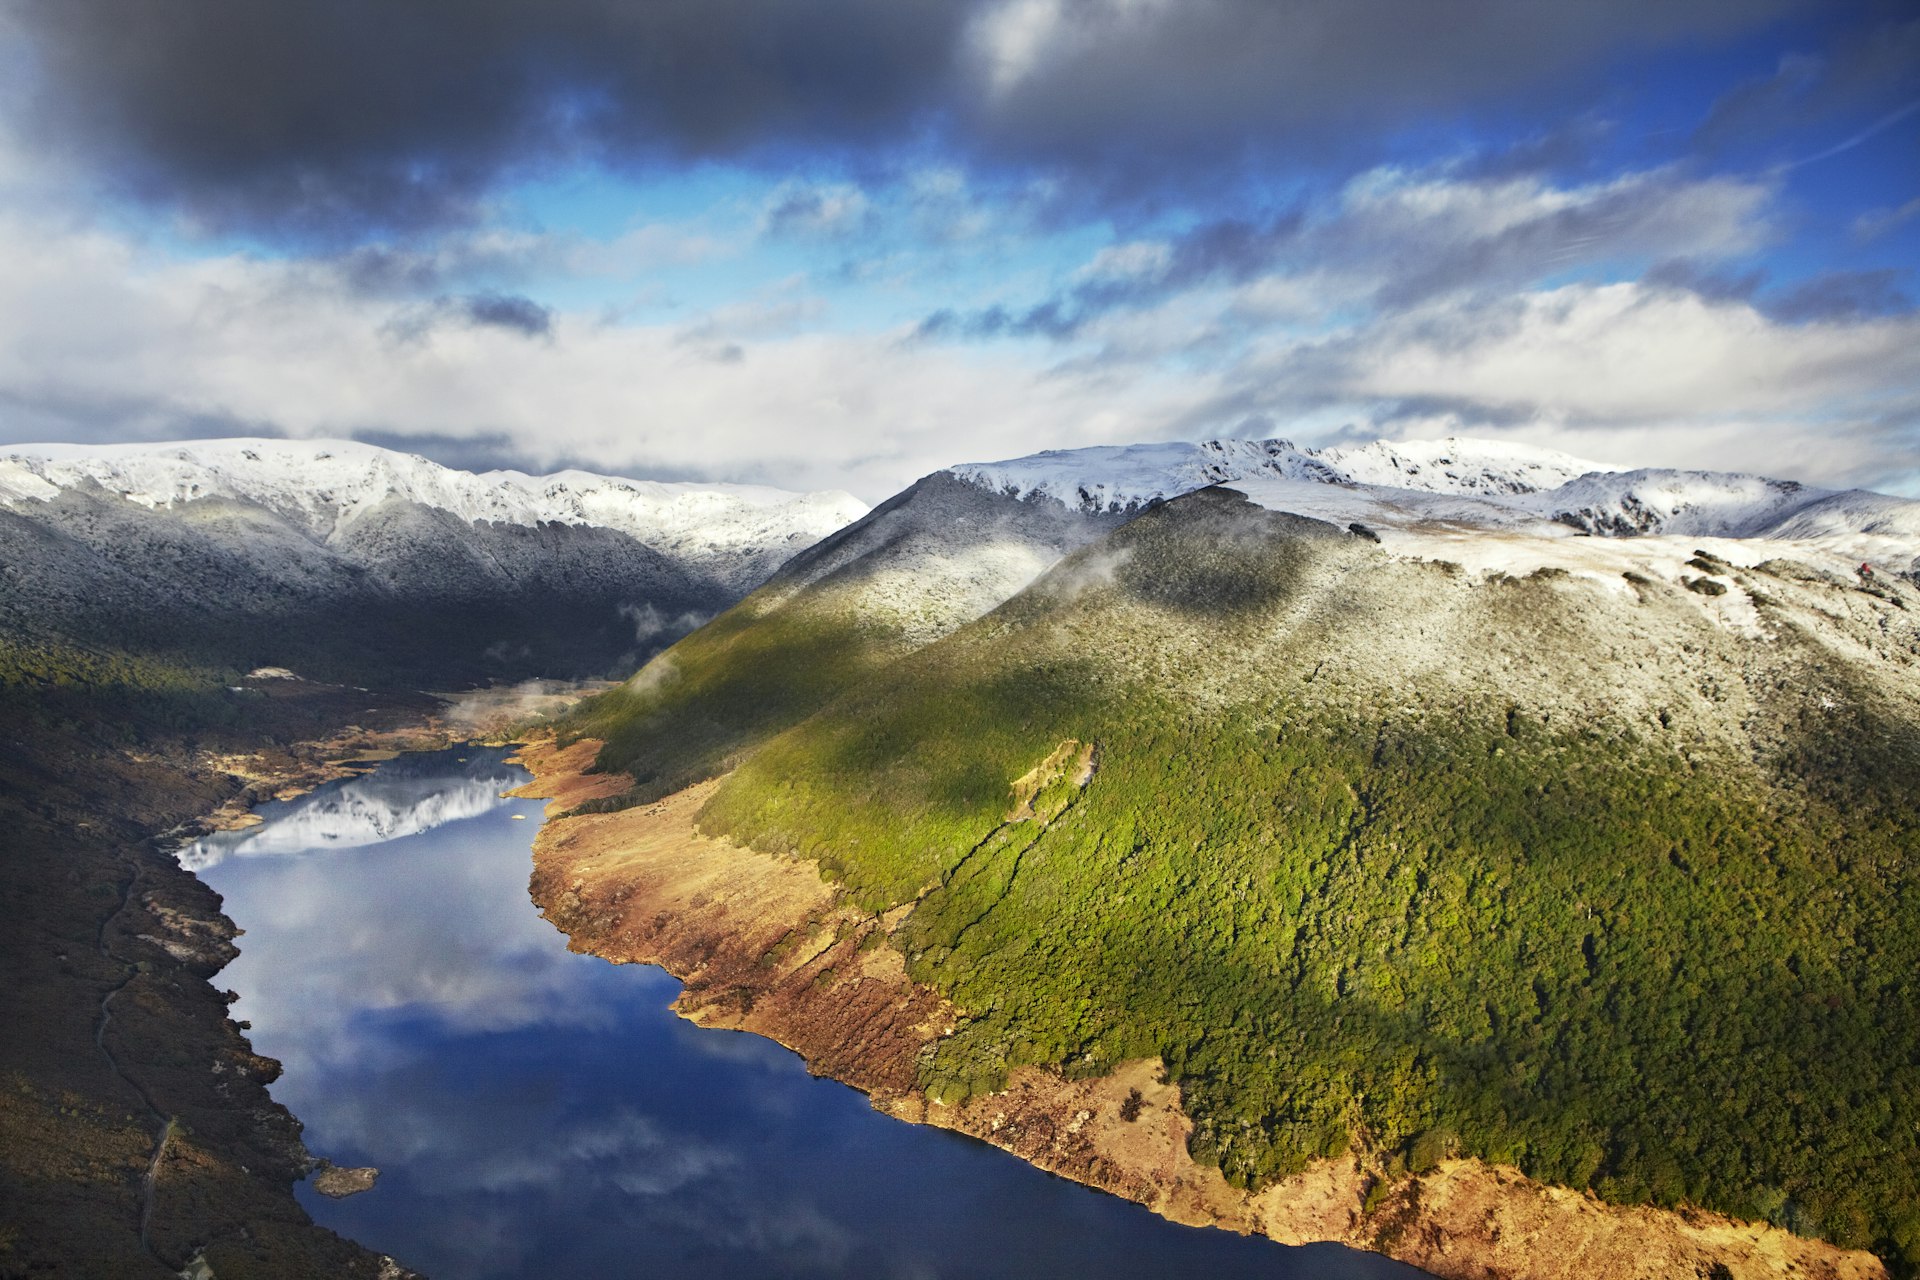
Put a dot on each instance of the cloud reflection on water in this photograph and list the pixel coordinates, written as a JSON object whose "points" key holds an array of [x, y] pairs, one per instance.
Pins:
{"points": [[403, 798], [536, 1112]]}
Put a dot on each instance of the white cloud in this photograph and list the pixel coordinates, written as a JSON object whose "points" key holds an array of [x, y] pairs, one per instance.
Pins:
{"points": [[1416, 234], [1135, 260], [104, 337], [1626, 353], [100, 338], [1626, 373]]}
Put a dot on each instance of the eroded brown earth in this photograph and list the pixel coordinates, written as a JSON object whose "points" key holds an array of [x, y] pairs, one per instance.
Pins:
{"points": [[764, 944]]}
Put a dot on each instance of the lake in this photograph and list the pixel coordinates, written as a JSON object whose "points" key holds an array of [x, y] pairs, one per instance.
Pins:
{"points": [[536, 1113]]}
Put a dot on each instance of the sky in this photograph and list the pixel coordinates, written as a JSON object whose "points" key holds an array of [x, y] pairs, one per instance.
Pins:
{"points": [[843, 243]]}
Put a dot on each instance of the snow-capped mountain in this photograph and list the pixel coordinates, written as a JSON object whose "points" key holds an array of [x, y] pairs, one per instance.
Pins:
{"points": [[371, 565], [1470, 484], [735, 533], [1119, 477]]}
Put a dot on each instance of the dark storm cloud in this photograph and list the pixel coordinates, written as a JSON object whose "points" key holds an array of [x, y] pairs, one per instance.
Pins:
{"points": [[1134, 81], [341, 118], [509, 311], [331, 116], [91, 416], [1867, 69]]}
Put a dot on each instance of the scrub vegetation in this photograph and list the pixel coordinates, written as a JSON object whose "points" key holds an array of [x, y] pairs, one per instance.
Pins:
{"points": [[1671, 957]]}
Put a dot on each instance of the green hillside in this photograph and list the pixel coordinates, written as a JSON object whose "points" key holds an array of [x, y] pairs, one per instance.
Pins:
{"points": [[1379, 851]]}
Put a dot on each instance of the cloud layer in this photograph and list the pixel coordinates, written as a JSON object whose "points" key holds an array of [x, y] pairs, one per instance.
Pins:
{"points": [[843, 243], [317, 118], [1303, 324]]}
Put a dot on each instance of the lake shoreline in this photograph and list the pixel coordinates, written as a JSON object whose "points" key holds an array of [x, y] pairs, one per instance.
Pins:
{"points": [[139, 1133], [764, 944], [138, 1130]]}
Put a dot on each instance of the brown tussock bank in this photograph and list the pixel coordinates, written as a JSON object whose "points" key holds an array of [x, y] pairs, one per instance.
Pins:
{"points": [[764, 944]]}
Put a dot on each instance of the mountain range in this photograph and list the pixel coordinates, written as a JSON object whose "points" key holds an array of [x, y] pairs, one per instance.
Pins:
{"points": [[345, 561]]}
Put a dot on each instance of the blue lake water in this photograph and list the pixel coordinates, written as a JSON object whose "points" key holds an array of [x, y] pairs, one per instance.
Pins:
{"points": [[539, 1113]]}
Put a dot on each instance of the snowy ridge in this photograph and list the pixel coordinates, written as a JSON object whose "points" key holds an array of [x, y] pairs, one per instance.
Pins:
{"points": [[324, 487], [1459, 485], [1726, 505], [1118, 477]]}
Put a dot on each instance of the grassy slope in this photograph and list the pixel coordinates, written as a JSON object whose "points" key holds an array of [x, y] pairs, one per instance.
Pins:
{"points": [[1446, 908], [832, 618], [754, 671]]}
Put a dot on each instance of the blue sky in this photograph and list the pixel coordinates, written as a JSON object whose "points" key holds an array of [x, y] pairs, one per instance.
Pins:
{"points": [[844, 243]]}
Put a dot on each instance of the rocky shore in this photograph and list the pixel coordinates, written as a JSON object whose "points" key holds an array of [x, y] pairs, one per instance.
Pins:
{"points": [[764, 944], [137, 1134]]}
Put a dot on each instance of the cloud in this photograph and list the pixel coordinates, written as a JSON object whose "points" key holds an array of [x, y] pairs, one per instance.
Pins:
{"points": [[507, 311], [304, 118], [511, 313], [1875, 223], [1475, 233], [650, 625], [301, 119], [804, 211], [1140, 82], [1842, 295], [1870, 74], [1649, 375], [104, 338]]}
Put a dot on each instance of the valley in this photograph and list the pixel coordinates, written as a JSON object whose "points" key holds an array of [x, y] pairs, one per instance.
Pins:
{"points": [[1465, 854], [764, 944]]}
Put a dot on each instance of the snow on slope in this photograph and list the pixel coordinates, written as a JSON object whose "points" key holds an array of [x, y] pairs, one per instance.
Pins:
{"points": [[1116, 477], [323, 486], [1456, 486]]}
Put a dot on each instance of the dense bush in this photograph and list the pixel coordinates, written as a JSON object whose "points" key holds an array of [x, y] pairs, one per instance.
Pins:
{"points": [[1666, 982]]}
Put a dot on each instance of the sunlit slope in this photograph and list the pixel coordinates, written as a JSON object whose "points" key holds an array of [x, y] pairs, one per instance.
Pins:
{"points": [[933, 557], [1597, 857]]}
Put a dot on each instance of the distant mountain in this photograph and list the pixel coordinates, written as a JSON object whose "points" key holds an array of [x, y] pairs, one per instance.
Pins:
{"points": [[1473, 484], [1437, 798], [349, 562], [1122, 477], [735, 534]]}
